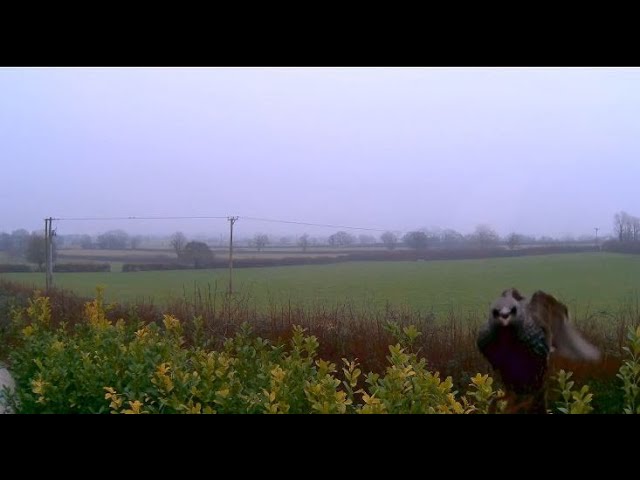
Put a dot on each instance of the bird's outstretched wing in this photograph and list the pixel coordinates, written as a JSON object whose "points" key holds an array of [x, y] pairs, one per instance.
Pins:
{"points": [[562, 337]]}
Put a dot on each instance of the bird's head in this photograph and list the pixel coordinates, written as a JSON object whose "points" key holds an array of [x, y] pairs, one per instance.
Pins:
{"points": [[506, 311]]}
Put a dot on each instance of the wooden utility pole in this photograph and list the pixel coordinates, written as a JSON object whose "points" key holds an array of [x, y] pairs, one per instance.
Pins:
{"points": [[231, 220], [46, 254], [596, 229], [48, 251]]}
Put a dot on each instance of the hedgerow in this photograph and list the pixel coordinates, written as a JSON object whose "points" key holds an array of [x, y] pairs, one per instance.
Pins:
{"points": [[99, 365]]}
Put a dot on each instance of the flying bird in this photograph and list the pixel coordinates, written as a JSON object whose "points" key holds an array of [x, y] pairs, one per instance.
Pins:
{"points": [[518, 339]]}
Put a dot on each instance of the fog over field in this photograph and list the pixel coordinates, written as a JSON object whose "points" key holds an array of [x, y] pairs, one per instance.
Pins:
{"points": [[544, 151]]}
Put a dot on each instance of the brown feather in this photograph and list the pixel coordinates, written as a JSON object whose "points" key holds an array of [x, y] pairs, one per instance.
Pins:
{"points": [[563, 338]]}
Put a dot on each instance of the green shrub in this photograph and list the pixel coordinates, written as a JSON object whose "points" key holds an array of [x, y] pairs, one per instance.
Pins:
{"points": [[14, 268], [630, 372], [573, 402], [82, 267]]}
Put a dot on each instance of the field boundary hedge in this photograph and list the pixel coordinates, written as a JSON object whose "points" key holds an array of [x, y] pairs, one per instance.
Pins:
{"points": [[389, 256]]}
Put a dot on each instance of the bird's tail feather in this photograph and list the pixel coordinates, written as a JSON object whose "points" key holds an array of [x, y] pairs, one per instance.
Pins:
{"points": [[569, 343]]}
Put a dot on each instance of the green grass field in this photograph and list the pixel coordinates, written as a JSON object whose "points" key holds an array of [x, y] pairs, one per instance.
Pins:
{"points": [[588, 283]]}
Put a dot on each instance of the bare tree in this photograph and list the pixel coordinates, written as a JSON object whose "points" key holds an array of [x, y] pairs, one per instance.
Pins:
{"points": [[389, 239], [303, 242], [434, 235], [618, 225], [36, 251], [416, 240], [341, 239], [623, 224], [635, 229], [451, 238], [513, 240], [485, 236], [178, 242], [113, 240], [260, 240]]}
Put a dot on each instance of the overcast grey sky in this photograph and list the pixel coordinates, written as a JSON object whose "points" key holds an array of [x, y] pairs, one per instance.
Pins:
{"points": [[534, 150]]}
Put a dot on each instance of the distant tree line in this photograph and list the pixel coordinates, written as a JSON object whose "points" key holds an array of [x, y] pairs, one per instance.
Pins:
{"points": [[110, 240], [21, 244], [482, 237], [626, 229], [15, 243]]}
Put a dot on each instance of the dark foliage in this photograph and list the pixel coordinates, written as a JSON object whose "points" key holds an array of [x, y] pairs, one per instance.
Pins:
{"points": [[82, 267]]}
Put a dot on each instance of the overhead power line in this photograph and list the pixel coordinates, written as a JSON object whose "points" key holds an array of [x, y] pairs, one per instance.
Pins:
{"points": [[315, 224], [140, 218], [212, 217]]}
